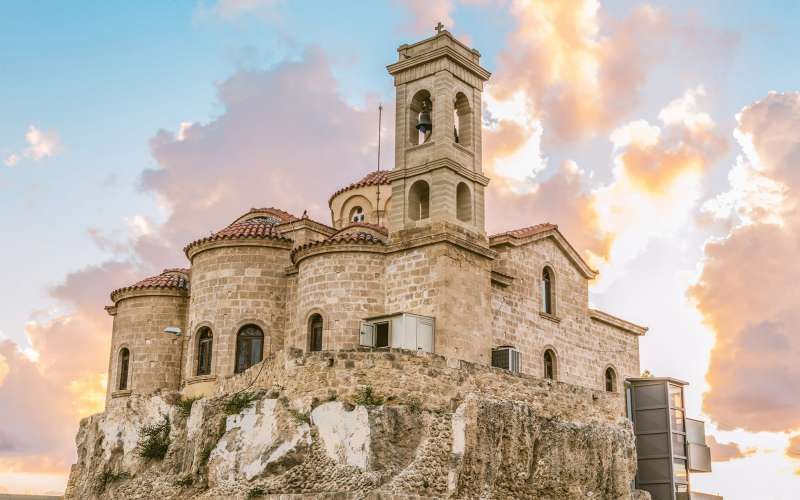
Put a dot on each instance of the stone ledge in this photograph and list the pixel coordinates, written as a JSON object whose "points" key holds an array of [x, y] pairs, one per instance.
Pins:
{"points": [[121, 394], [200, 378]]}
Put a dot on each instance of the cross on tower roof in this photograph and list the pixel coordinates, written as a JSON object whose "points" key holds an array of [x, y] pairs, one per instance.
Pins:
{"points": [[439, 27]]}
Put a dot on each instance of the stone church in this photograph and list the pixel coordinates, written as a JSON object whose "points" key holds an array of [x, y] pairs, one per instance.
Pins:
{"points": [[397, 351], [404, 262]]}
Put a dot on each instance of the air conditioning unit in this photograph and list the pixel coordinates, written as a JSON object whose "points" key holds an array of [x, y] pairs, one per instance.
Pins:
{"points": [[506, 357]]}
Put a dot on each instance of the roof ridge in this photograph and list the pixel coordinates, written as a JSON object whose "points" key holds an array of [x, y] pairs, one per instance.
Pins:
{"points": [[373, 178]]}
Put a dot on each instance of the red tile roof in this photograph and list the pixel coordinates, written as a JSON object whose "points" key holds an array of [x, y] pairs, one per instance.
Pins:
{"points": [[354, 237], [169, 278], [281, 215], [378, 177], [256, 228], [367, 225], [524, 232]]}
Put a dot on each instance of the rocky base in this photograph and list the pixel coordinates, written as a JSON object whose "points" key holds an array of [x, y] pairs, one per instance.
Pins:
{"points": [[484, 448]]}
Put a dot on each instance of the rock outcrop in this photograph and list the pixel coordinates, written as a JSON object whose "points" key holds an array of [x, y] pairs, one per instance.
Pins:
{"points": [[485, 448]]}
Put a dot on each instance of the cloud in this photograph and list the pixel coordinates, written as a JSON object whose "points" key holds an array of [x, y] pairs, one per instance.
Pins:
{"points": [[65, 382], [579, 75], [747, 288], [425, 14], [41, 144], [793, 448], [657, 174], [278, 129], [725, 452], [233, 9]]}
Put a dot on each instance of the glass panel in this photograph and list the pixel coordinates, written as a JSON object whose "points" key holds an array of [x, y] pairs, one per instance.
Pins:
{"points": [[382, 335], [677, 420], [676, 396], [678, 444], [249, 347], [124, 357], [652, 445], [649, 395], [679, 469], [651, 420]]}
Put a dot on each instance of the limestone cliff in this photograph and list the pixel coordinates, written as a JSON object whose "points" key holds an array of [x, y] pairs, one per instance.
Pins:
{"points": [[486, 448]]}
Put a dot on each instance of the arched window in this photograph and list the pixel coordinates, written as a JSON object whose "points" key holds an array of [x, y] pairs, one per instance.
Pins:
{"points": [[550, 366], [315, 333], [420, 122], [249, 347], [204, 349], [547, 290], [611, 380], [419, 200], [462, 121], [124, 362], [357, 214], [463, 202]]}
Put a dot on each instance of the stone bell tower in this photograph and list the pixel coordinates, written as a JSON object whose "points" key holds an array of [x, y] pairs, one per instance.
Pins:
{"points": [[437, 181]]}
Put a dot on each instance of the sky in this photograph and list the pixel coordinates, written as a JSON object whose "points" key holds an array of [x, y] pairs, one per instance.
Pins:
{"points": [[662, 137]]}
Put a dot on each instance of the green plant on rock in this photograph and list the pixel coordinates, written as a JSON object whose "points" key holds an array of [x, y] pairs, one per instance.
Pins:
{"points": [[107, 477], [185, 481], [206, 453], [367, 397], [301, 417], [256, 492], [185, 405], [239, 402], [415, 406], [154, 440]]}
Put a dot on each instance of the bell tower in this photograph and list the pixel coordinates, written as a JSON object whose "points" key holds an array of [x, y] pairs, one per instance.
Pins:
{"points": [[437, 181]]}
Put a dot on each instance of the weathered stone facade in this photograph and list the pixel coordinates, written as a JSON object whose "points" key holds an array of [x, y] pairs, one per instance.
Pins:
{"points": [[274, 287]]}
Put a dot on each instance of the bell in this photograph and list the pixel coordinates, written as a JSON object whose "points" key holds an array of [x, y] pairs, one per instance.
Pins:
{"points": [[424, 123]]}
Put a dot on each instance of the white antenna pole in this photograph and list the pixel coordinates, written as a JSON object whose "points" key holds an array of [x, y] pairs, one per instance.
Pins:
{"points": [[378, 201]]}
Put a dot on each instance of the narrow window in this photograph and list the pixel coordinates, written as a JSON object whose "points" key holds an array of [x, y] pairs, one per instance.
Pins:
{"points": [[549, 364], [463, 202], [357, 214], [204, 349], [611, 380], [249, 347], [419, 200], [315, 333], [462, 121], [124, 361], [420, 122], [547, 290]]}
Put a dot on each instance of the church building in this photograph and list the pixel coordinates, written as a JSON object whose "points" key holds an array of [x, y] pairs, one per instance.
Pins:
{"points": [[405, 262]]}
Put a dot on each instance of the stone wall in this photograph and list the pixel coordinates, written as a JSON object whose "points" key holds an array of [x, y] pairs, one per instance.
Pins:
{"points": [[140, 318], [452, 285], [343, 287], [432, 380], [233, 286], [584, 347]]}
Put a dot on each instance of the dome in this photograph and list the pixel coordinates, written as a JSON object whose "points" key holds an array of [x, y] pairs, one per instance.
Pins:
{"points": [[258, 223], [376, 178], [177, 279]]}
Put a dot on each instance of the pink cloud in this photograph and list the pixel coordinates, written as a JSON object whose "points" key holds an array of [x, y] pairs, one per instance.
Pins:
{"points": [[747, 291]]}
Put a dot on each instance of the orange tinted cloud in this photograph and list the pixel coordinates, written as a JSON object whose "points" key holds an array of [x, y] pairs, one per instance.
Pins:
{"points": [[578, 79], [279, 128], [724, 452], [793, 449], [747, 290]]}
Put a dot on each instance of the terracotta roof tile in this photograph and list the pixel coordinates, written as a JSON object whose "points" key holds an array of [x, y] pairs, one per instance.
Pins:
{"points": [[282, 215], [524, 232], [367, 225], [255, 227], [375, 178], [355, 237], [169, 278]]}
